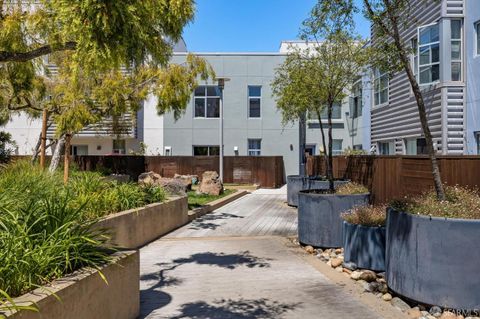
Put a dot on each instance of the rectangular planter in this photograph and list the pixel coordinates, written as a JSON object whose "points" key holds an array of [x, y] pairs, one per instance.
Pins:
{"points": [[134, 228], [84, 294], [216, 204]]}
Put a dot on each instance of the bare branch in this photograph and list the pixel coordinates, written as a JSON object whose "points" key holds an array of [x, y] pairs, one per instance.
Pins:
{"points": [[6, 56]]}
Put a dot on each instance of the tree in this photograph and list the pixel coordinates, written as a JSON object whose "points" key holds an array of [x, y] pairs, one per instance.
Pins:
{"points": [[392, 54], [90, 97], [320, 77]]}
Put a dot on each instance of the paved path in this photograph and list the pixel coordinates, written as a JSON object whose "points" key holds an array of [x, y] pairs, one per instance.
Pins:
{"points": [[204, 270]]}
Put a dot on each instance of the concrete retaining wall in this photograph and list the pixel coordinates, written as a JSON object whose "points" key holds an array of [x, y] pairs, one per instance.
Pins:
{"points": [[136, 227], [86, 295]]}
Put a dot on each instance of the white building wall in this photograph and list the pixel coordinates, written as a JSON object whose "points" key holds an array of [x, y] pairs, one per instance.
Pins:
{"points": [[24, 131], [152, 128]]}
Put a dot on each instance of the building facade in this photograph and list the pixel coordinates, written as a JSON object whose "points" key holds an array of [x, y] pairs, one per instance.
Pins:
{"points": [[446, 60], [252, 124]]}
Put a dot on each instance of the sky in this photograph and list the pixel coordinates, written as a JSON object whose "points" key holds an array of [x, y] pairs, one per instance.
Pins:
{"points": [[249, 25]]}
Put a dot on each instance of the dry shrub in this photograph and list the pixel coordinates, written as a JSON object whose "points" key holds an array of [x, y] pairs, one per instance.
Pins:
{"points": [[372, 216], [351, 188], [460, 202]]}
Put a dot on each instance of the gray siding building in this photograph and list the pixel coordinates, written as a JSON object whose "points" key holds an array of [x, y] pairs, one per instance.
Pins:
{"points": [[445, 40]]}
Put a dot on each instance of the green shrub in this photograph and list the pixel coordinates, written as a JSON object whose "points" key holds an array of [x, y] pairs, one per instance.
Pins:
{"points": [[371, 216], [43, 240], [460, 202], [351, 188]]}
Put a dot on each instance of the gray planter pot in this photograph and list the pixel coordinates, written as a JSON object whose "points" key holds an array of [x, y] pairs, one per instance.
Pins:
{"points": [[319, 222], [364, 246], [434, 260], [296, 183]]}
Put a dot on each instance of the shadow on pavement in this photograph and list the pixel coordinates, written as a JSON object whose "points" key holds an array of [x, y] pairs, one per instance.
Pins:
{"points": [[235, 309], [206, 222]]}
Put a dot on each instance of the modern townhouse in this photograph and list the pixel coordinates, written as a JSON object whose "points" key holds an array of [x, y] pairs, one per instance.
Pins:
{"points": [[446, 42], [252, 125]]}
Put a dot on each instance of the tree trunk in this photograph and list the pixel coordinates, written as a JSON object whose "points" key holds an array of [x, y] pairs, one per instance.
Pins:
{"points": [[57, 154], [323, 142], [37, 148], [43, 137], [330, 146], [437, 180], [66, 165]]}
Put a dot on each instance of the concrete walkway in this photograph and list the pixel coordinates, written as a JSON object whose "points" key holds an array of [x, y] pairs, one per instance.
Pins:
{"points": [[230, 265]]}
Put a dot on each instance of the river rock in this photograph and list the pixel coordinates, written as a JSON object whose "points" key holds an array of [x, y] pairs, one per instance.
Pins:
{"points": [[399, 304]]}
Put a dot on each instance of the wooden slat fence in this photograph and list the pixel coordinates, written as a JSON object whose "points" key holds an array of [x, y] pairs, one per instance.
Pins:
{"points": [[266, 171], [390, 177]]}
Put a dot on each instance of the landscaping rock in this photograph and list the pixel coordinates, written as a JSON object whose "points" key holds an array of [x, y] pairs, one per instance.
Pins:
{"points": [[400, 304], [387, 297], [339, 269], [187, 180], [356, 275], [448, 315], [435, 311], [336, 262], [210, 184], [414, 313], [372, 287], [347, 271], [339, 251], [172, 186], [149, 178], [368, 275], [350, 265], [309, 249]]}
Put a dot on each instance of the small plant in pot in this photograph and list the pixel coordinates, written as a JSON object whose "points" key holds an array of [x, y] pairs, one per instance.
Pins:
{"points": [[432, 253], [319, 213], [364, 237]]}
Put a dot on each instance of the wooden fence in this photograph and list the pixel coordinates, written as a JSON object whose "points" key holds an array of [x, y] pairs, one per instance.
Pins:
{"points": [[266, 171], [390, 177]]}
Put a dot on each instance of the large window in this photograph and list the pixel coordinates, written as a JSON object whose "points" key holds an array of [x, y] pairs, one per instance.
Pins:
{"points": [[206, 150], [254, 101], [356, 100], [456, 49], [254, 147], [416, 146], [429, 54], [477, 35], [380, 89], [337, 147], [336, 113], [207, 102], [386, 148]]}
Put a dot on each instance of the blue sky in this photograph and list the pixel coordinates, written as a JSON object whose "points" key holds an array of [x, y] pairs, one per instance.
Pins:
{"points": [[249, 25]]}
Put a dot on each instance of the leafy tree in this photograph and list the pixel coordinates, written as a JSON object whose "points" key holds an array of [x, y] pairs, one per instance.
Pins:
{"points": [[6, 146], [320, 77], [389, 18]]}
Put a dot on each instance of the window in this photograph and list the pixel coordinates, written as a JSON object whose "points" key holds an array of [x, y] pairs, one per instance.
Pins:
{"points": [[380, 90], [254, 147], [356, 100], [78, 150], [254, 101], [477, 34], [416, 146], [429, 54], [456, 49], [414, 44], [207, 102], [337, 148], [118, 147], [207, 150], [477, 139], [386, 148]]}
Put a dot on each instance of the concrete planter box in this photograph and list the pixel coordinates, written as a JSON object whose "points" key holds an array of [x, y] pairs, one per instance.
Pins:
{"points": [[84, 294], [434, 260], [364, 246], [134, 228], [297, 183], [319, 221]]}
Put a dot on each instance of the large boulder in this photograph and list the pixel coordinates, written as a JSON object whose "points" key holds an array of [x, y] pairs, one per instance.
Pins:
{"points": [[172, 186], [187, 180], [149, 178], [210, 184]]}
